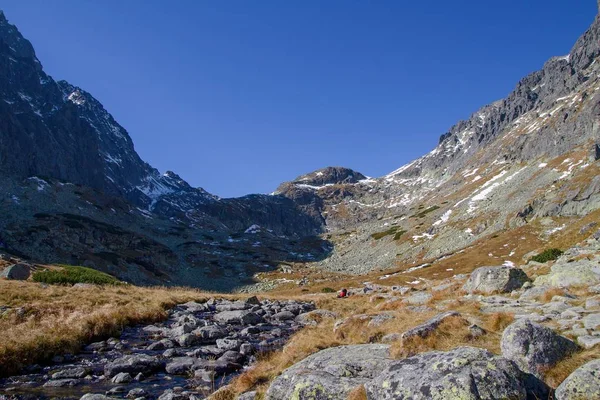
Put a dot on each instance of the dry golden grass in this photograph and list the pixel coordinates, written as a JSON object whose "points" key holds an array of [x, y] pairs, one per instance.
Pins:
{"points": [[359, 393], [496, 322], [59, 319], [563, 369]]}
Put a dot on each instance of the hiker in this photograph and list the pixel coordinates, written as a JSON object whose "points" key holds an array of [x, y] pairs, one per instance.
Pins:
{"points": [[342, 293]]}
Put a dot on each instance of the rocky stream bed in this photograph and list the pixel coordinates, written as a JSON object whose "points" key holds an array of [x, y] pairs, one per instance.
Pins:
{"points": [[197, 350]]}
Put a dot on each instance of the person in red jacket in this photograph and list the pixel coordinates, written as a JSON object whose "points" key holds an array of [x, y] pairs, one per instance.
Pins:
{"points": [[342, 293]]}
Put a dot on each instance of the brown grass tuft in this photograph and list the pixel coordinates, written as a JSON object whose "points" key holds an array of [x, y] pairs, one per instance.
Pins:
{"points": [[358, 393], [496, 322], [556, 375]]}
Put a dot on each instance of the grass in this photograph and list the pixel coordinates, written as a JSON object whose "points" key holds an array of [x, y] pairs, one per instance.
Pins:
{"points": [[395, 230], [44, 322], [423, 213], [547, 255], [70, 275]]}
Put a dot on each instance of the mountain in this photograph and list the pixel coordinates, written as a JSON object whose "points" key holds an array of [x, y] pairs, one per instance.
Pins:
{"points": [[74, 190], [524, 164]]}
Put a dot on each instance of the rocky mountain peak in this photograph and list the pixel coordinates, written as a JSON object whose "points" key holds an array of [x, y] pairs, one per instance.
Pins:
{"points": [[330, 176], [20, 47]]}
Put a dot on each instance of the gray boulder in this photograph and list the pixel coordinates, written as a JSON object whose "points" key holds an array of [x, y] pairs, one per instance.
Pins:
{"points": [[501, 279], [16, 272], [330, 374], [576, 273], [430, 326], [122, 377], [533, 347], [582, 384], [72, 373], [463, 373], [92, 396], [314, 317], [243, 317], [133, 364]]}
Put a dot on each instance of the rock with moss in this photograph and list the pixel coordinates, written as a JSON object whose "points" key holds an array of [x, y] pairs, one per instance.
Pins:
{"points": [[582, 384], [576, 273], [463, 373], [331, 374], [534, 347], [501, 279]]}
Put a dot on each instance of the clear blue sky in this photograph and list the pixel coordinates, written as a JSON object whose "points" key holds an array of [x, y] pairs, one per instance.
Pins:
{"points": [[238, 96]]}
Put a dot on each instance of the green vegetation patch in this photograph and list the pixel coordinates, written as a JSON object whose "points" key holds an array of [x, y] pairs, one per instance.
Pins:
{"points": [[547, 255], [399, 234], [395, 230], [426, 211], [70, 275], [328, 290]]}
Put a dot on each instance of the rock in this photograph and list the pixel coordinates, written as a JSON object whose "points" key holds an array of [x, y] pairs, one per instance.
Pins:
{"points": [[91, 396], [62, 383], [430, 326], [418, 298], [136, 393], [391, 337], [247, 349], [401, 289], [314, 317], [163, 344], [582, 384], [501, 279], [73, 373], [534, 292], [374, 320], [181, 365], [533, 347], [247, 396], [463, 373], [565, 274], [588, 341], [284, 316], [209, 334], [17, 272], [591, 321], [122, 377], [242, 317], [330, 374], [253, 301], [592, 303], [193, 306], [232, 306], [229, 344], [133, 364]]}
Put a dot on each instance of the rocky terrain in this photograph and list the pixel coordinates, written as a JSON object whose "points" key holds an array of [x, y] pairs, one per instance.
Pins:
{"points": [[527, 162], [198, 349], [473, 271]]}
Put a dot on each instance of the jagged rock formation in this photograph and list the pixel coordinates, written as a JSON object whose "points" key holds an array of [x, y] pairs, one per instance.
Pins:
{"points": [[74, 190], [514, 163]]}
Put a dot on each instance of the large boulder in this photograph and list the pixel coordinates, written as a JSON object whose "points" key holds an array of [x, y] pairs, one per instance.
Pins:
{"points": [[576, 273], [582, 384], [133, 364], [463, 373], [534, 347], [330, 374], [16, 272], [501, 279]]}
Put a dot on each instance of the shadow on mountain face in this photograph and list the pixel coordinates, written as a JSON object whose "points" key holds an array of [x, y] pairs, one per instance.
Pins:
{"points": [[76, 225]]}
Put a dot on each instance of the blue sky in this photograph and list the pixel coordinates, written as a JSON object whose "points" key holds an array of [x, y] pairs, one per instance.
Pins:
{"points": [[239, 96]]}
